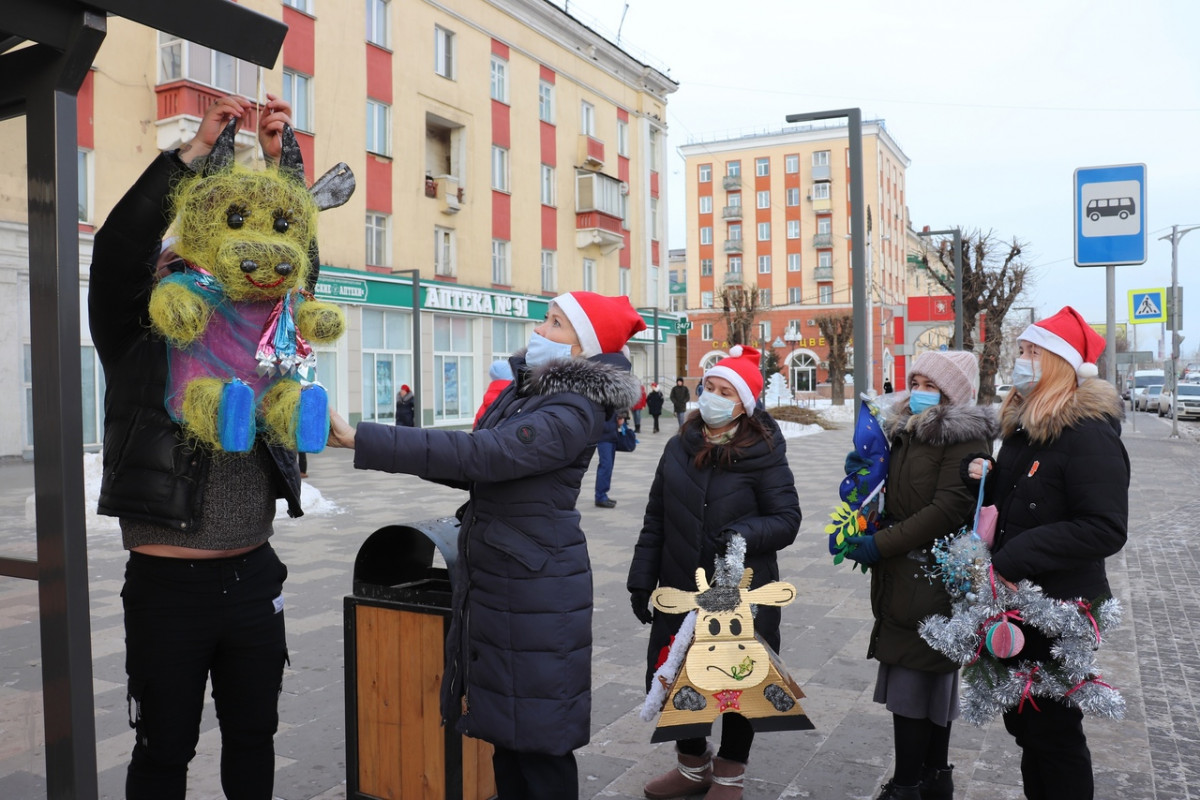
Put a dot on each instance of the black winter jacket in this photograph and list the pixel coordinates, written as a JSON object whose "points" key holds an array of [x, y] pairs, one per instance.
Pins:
{"points": [[151, 472], [520, 642], [688, 509], [654, 403], [680, 397]]}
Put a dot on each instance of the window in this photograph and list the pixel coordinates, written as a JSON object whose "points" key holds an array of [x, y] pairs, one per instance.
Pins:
{"points": [[794, 295], [825, 258], [622, 138], [499, 168], [654, 218], [792, 196], [706, 299], [791, 164], [733, 169], [549, 270], [180, 59], [763, 199], [589, 274], [820, 158], [443, 52], [597, 192], [734, 232], [706, 331], [83, 170], [820, 191], [764, 328], [824, 293], [764, 231], [297, 90], [379, 118], [624, 282], [499, 79], [793, 262], [549, 179], [735, 264], [508, 336], [386, 361], [653, 145], [546, 102], [587, 118], [299, 5], [705, 173], [764, 265], [377, 22], [706, 266], [378, 230], [762, 167], [453, 368], [706, 235], [706, 204], [501, 263], [825, 225], [793, 229], [735, 199], [443, 252]]}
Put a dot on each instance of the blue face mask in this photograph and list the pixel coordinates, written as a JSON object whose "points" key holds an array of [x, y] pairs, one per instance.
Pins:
{"points": [[542, 350], [716, 410], [1025, 376], [918, 400]]}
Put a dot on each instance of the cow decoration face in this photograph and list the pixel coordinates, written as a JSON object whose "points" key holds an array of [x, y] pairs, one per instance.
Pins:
{"points": [[727, 667], [238, 313]]}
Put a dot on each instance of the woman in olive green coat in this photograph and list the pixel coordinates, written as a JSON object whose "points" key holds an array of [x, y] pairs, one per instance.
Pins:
{"points": [[930, 430]]}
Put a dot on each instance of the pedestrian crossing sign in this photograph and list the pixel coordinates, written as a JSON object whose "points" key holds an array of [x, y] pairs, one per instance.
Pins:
{"points": [[1147, 305]]}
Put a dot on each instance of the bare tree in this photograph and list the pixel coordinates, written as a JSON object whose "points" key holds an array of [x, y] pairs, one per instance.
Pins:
{"points": [[739, 309], [837, 330], [994, 275]]}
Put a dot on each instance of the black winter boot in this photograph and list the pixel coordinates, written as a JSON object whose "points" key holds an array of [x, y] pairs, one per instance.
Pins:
{"points": [[893, 792], [938, 784]]}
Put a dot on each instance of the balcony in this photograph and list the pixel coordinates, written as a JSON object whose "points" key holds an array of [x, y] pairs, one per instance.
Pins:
{"points": [[731, 212], [823, 273], [591, 152], [821, 172], [821, 203], [731, 183], [181, 106], [596, 228], [449, 194], [822, 240], [733, 245]]}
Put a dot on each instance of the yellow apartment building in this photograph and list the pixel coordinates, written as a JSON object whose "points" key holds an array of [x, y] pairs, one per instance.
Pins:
{"points": [[502, 148], [771, 211]]}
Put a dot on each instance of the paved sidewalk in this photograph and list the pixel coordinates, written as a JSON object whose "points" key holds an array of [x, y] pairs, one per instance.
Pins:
{"points": [[1153, 657]]}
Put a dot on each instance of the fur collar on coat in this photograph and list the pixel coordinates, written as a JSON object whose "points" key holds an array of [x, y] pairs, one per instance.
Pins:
{"points": [[945, 424], [603, 379], [1093, 400]]}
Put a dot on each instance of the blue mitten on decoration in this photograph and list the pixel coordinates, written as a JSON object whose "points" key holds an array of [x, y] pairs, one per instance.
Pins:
{"points": [[235, 417], [312, 425], [864, 551]]}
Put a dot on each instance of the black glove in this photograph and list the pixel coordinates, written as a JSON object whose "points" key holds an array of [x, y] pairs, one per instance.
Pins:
{"points": [[640, 601]]}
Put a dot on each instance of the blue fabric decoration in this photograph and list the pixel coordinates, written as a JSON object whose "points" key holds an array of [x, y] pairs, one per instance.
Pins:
{"points": [[862, 488], [312, 424], [235, 417]]}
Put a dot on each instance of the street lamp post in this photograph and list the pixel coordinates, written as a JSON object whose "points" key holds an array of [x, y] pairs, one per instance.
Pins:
{"points": [[1173, 303], [416, 340], [958, 282], [791, 336], [654, 311]]}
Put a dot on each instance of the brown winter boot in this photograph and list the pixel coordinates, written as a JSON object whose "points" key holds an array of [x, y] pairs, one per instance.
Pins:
{"points": [[692, 775], [727, 778]]}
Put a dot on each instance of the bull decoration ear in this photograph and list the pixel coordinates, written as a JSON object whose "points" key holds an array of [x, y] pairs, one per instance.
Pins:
{"points": [[221, 155], [291, 161], [334, 187]]}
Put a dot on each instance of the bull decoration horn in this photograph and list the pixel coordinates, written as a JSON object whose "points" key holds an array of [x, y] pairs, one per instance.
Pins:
{"points": [[291, 161], [221, 155]]}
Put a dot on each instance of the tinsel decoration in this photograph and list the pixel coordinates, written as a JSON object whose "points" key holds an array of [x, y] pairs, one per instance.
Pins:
{"points": [[991, 686]]}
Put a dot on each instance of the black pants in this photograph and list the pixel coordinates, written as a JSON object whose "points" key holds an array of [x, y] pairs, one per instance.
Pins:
{"points": [[655, 416], [1055, 761], [535, 776], [736, 738], [184, 621]]}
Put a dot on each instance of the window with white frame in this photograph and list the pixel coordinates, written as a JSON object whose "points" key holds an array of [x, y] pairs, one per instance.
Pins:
{"points": [[734, 264], [453, 368], [83, 174], [499, 79], [820, 191], [179, 59], [820, 158], [443, 51], [379, 119], [706, 331], [706, 299], [546, 101], [622, 138], [595, 191], [734, 232], [764, 231], [299, 5], [764, 301], [386, 361], [549, 271], [735, 199], [706, 235], [793, 229], [654, 218], [763, 199], [444, 255], [624, 283], [791, 164], [764, 265], [706, 204], [377, 22], [297, 91], [706, 267], [824, 293], [795, 295], [501, 262], [589, 274], [793, 260], [705, 173], [792, 196], [499, 168], [379, 253], [549, 185], [762, 167], [587, 118], [654, 147], [733, 169], [824, 258], [825, 225], [508, 336]]}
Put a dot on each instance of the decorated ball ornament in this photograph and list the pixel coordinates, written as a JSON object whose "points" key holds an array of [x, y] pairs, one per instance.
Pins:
{"points": [[1005, 639]]}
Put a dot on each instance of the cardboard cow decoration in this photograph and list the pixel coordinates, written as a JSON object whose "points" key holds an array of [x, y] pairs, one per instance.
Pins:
{"points": [[726, 666], [237, 309]]}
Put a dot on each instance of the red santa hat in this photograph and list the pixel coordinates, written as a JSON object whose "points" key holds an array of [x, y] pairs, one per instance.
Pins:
{"points": [[603, 324], [1067, 335], [741, 369]]}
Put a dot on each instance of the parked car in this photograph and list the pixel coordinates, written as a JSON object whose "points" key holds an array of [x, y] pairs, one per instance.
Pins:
{"points": [[1002, 392], [1147, 398], [1182, 405]]}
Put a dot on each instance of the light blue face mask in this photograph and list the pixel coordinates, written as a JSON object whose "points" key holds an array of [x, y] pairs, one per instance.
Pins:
{"points": [[542, 350], [716, 410], [918, 400], [1025, 376]]}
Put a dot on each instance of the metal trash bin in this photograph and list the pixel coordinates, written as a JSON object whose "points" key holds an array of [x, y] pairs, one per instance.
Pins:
{"points": [[396, 624]]}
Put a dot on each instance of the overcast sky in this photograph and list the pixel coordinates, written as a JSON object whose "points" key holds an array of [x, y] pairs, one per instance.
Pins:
{"points": [[995, 105]]}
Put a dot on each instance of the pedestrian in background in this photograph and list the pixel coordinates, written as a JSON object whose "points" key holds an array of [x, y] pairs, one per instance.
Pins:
{"points": [[637, 411], [930, 434], [726, 473], [1060, 485], [404, 407], [500, 375], [606, 456], [654, 404], [679, 400], [887, 386]]}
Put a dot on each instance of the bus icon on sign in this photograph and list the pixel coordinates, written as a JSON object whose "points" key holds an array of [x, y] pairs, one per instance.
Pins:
{"points": [[1121, 207]]}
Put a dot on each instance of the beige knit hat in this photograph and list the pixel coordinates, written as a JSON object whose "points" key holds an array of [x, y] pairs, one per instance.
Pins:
{"points": [[956, 373]]}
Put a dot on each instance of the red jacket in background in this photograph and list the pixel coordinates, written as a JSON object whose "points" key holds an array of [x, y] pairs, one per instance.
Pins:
{"points": [[493, 391], [641, 403]]}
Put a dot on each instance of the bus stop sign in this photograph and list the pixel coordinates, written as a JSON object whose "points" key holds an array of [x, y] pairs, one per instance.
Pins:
{"points": [[1110, 215]]}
